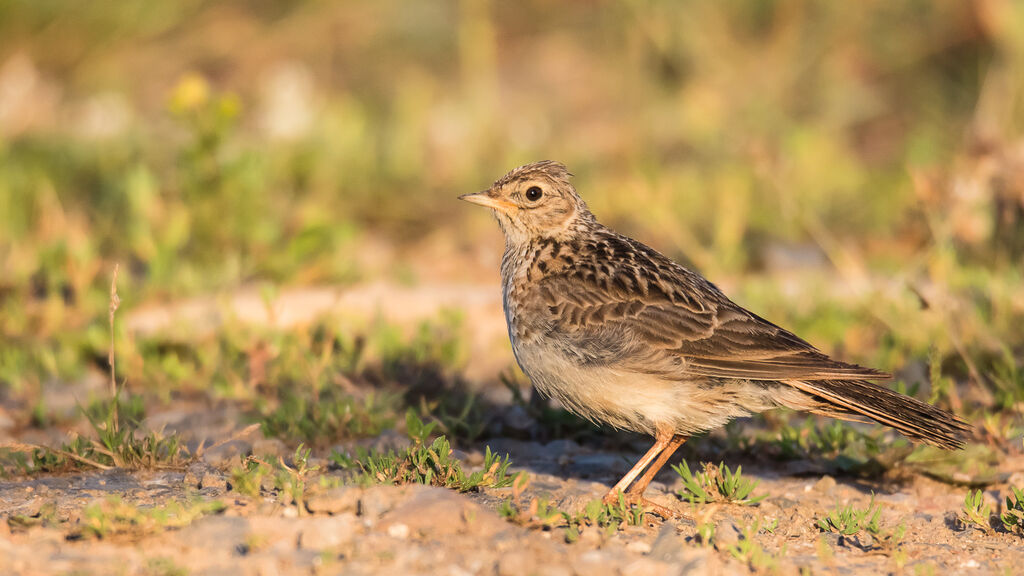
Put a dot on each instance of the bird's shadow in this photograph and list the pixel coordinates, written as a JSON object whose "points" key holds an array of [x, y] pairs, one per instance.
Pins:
{"points": [[542, 438]]}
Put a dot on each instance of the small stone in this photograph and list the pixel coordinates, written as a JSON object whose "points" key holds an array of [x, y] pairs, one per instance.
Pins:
{"points": [[456, 570], [831, 538], [193, 475], [334, 501], [593, 557], [546, 569], [515, 563], [213, 480], [6, 422], [638, 547], [268, 483], [31, 508], [269, 447], [825, 485], [516, 419], [219, 455], [667, 545], [727, 534], [693, 561], [267, 567], [226, 531], [327, 532], [647, 567], [439, 512], [376, 501], [591, 537], [400, 531], [290, 512]]}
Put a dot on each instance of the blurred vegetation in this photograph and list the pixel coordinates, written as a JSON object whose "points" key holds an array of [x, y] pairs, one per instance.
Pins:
{"points": [[853, 172]]}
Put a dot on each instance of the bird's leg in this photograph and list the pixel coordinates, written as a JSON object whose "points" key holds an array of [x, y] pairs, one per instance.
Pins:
{"points": [[640, 485], [660, 442]]}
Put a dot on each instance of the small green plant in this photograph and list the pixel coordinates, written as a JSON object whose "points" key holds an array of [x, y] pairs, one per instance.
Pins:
{"points": [[717, 484], [247, 479], [120, 446], [748, 551], [288, 481], [425, 463], [330, 416], [164, 566], [976, 511], [611, 517], [539, 513], [836, 446], [118, 441], [706, 532], [130, 408], [1013, 515], [851, 522], [46, 515], [113, 517], [291, 480]]}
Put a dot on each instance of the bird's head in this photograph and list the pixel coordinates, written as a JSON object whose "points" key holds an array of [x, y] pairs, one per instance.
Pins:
{"points": [[535, 201]]}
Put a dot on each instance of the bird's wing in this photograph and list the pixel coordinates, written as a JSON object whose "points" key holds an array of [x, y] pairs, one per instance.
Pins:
{"points": [[638, 310]]}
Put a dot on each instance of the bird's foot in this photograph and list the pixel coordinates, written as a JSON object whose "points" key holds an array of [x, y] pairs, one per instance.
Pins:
{"points": [[635, 499]]}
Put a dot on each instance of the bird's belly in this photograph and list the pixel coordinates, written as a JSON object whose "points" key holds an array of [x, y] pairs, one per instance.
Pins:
{"points": [[635, 401]]}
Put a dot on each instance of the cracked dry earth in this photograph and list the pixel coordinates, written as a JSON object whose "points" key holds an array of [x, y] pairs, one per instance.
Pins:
{"points": [[425, 530]]}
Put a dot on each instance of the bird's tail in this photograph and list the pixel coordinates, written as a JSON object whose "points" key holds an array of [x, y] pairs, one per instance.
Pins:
{"points": [[915, 419]]}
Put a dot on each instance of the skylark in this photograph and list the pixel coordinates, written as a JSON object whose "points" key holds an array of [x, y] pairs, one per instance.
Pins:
{"points": [[621, 335]]}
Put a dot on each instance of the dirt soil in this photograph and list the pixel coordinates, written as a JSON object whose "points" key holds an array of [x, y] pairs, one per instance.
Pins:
{"points": [[424, 530]]}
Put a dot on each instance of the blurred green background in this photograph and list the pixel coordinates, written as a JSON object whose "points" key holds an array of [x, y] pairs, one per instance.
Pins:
{"points": [[850, 170]]}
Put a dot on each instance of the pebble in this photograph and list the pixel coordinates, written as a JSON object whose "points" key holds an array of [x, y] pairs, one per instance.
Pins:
{"points": [[268, 484], [638, 547], [439, 512], [647, 567], [553, 569], [400, 531], [375, 502], [515, 563], [269, 447], [516, 421], [227, 452], [193, 475], [593, 563], [667, 545], [327, 532], [334, 501], [825, 485], [727, 533], [213, 480], [694, 561], [228, 531]]}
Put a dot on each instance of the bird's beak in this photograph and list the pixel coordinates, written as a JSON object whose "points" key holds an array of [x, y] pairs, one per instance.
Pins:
{"points": [[488, 199]]}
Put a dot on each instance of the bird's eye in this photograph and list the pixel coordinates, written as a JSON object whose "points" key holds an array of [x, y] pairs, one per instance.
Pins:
{"points": [[533, 193]]}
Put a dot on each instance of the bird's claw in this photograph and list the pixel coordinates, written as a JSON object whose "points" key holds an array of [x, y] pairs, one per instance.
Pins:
{"points": [[633, 499]]}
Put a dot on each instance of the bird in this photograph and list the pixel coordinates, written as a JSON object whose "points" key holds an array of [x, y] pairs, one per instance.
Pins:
{"points": [[622, 335]]}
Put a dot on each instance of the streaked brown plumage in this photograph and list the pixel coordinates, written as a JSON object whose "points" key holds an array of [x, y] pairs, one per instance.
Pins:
{"points": [[622, 335]]}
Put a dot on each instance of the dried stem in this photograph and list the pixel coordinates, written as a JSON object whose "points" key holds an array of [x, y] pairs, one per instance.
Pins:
{"points": [[115, 301]]}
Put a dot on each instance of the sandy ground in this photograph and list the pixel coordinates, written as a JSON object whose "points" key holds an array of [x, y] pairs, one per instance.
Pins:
{"points": [[425, 530]]}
